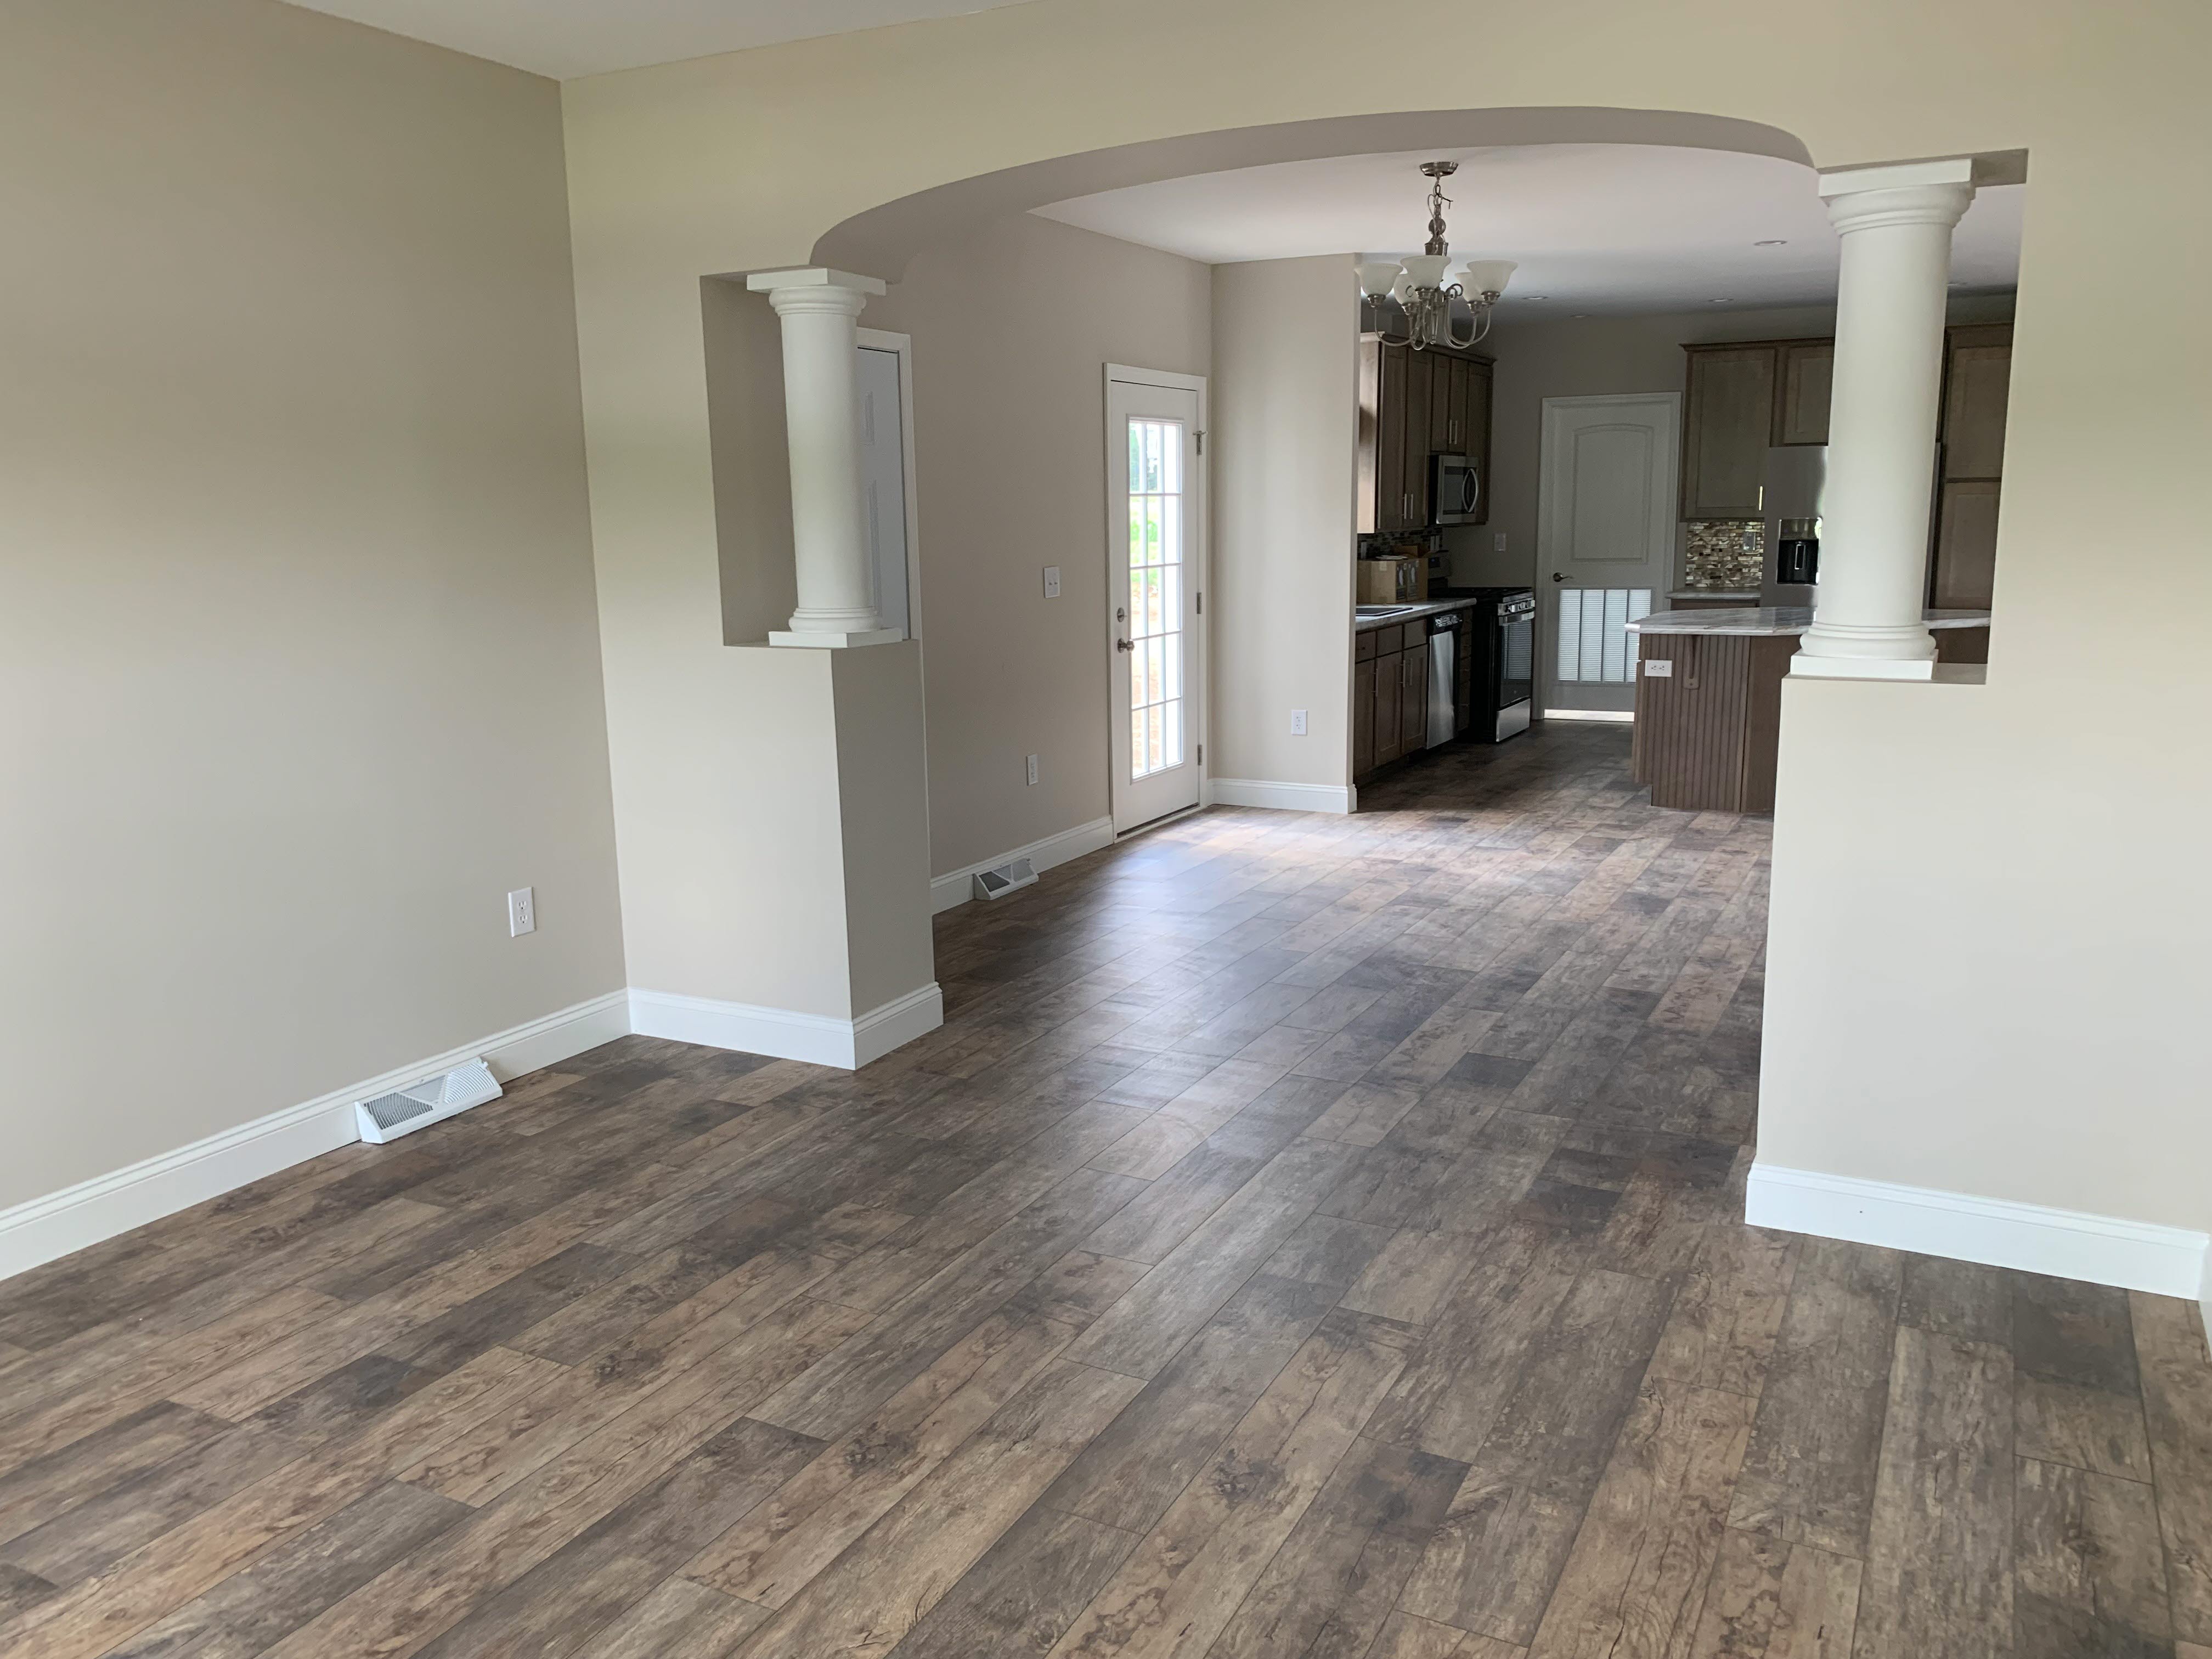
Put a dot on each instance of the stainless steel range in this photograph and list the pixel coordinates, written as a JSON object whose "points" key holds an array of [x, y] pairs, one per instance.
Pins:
{"points": [[1504, 644]]}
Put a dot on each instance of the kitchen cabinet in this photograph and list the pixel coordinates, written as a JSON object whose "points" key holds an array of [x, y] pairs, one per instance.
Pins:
{"points": [[1363, 705], [1391, 692], [1807, 375], [1413, 404], [1727, 423], [1384, 505], [1413, 692], [1459, 407], [1742, 397], [1963, 574], [1389, 735], [1977, 384], [1740, 400]]}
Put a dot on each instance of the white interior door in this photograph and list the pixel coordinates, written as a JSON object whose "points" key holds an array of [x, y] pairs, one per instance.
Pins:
{"points": [[1605, 542], [1156, 512]]}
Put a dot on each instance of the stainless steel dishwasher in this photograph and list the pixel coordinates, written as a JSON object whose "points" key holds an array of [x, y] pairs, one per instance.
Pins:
{"points": [[1444, 647]]}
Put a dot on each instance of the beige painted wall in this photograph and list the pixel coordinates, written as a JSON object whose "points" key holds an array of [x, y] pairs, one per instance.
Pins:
{"points": [[741, 162], [1593, 358], [1989, 912], [299, 646], [1285, 430], [1012, 329]]}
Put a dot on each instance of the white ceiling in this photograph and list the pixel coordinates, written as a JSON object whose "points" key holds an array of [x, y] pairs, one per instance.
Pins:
{"points": [[1596, 227], [568, 38]]}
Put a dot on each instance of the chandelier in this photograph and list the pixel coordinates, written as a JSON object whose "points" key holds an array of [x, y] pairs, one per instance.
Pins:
{"points": [[1417, 285]]}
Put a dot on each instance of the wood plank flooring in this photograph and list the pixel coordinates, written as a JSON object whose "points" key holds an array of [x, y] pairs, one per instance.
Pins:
{"points": [[1308, 1237]]}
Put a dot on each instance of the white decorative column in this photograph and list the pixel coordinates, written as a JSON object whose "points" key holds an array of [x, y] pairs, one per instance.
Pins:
{"points": [[1895, 223], [820, 309]]}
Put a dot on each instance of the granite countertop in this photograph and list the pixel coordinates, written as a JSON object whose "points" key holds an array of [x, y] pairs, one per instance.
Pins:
{"points": [[1413, 612], [1750, 593], [1774, 620]]}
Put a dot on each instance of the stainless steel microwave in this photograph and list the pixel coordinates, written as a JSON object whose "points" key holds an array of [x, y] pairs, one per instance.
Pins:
{"points": [[1453, 488]]}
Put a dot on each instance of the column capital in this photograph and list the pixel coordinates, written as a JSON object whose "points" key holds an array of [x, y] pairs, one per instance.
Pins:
{"points": [[1941, 205], [815, 278], [1908, 193]]}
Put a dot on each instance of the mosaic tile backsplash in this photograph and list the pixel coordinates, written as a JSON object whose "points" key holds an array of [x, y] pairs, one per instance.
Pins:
{"points": [[1724, 553]]}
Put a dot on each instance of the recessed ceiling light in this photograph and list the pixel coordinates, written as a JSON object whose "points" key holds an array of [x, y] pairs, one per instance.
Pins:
{"points": [[1717, 302], [1535, 297], [1773, 242]]}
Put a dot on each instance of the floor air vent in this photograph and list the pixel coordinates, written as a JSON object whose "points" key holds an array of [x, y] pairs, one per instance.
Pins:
{"points": [[996, 883], [419, 1105]]}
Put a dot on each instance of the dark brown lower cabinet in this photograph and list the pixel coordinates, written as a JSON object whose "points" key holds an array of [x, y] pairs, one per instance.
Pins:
{"points": [[1363, 717], [1389, 740], [1413, 694], [1390, 693]]}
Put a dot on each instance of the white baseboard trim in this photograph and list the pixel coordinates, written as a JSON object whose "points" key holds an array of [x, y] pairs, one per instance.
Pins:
{"points": [[1621, 716], [820, 1039], [949, 892], [1282, 797], [42, 1229], [2135, 1256]]}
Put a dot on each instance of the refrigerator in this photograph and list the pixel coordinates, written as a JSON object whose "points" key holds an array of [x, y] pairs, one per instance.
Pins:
{"points": [[1789, 502]]}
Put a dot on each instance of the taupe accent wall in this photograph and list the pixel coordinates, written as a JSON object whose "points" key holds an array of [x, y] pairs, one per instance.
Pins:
{"points": [[299, 649]]}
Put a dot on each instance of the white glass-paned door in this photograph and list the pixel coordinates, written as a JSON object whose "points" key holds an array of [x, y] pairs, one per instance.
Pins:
{"points": [[1154, 554], [1156, 578]]}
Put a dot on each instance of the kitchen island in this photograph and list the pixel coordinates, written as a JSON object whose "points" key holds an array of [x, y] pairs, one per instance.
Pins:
{"points": [[1709, 698]]}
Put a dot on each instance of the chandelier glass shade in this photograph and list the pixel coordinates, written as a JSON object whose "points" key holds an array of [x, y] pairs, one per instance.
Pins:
{"points": [[1417, 285]]}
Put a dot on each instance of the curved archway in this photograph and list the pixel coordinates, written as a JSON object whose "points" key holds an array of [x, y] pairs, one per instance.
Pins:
{"points": [[882, 239]]}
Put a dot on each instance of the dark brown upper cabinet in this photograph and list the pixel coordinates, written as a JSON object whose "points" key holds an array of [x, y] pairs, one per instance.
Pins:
{"points": [[1977, 384], [1413, 404], [1727, 421], [1801, 408], [1742, 397], [1740, 400]]}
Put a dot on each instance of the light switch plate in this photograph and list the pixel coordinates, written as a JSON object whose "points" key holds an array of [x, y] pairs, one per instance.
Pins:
{"points": [[1500, 541], [1032, 768], [1052, 581], [1662, 668]]}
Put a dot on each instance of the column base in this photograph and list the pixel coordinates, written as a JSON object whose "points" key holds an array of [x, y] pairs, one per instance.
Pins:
{"points": [[1863, 668], [826, 639]]}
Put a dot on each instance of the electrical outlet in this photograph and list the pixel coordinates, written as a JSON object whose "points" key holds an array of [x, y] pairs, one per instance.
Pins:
{"points": [[1032, 766], [1659, 669], [1298, 722], [1052, 581], [521, 913], [1498, 543]]}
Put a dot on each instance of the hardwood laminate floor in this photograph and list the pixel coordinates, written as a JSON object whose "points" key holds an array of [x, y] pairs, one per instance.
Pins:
{"points": [[1307, 1237]]}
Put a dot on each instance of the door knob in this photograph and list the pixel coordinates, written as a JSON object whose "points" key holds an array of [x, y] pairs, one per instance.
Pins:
{"points": [[1558, 576], [1123, 645]]}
